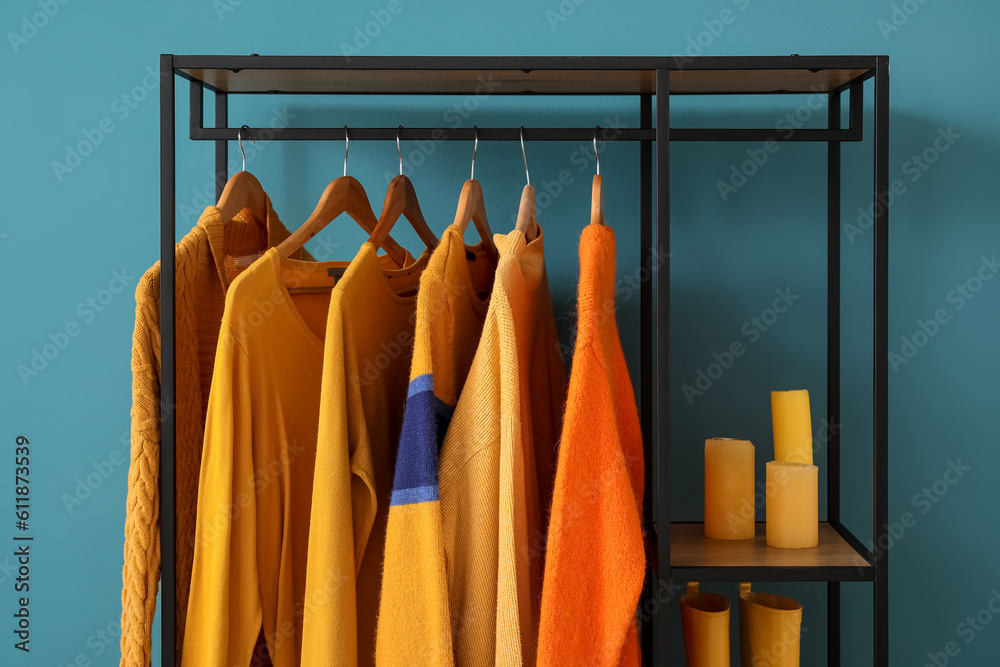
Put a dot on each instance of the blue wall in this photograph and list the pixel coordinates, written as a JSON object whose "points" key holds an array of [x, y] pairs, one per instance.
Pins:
{"points": [[75, 238]]}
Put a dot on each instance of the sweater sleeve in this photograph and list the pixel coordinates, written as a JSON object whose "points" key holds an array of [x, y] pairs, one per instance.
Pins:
{"points": [[413, 622], [141, 570], [336, 533], [224, 607]]}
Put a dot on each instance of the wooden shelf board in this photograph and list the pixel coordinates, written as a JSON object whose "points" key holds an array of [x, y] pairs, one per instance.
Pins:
{"points": [[689, 548], [515, 81]]}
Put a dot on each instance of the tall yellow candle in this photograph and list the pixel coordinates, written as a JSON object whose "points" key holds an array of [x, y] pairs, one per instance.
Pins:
{"points": [[729, 489], [792, 426], [792, 505]]}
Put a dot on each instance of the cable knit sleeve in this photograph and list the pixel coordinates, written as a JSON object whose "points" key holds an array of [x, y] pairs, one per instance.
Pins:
{"points": [[141, 571]]}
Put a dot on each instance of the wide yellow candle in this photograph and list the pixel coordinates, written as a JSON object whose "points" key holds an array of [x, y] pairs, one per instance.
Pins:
{"points": [[792, 426], [792, 501], [729, 489]]}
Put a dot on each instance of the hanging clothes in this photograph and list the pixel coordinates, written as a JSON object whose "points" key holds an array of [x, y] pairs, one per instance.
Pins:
{"points": [[498, 463], [413, 622], [595, 562], [205, 266], [255, 488], [495, 468], [366, 358]]}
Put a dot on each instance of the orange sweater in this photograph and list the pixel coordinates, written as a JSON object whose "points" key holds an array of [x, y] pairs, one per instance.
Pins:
{"points": [[595, 563], [205, 264]]}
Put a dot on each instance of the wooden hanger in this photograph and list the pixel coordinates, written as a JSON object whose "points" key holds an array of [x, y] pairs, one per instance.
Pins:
{"points": [[471, 206], [401, 200], [597, 195], [527, 219], [242, 191], [343, 195]]}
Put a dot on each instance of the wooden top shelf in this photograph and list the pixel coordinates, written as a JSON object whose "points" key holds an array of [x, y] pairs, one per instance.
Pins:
{"points": [[694, 557], [513, 76]]}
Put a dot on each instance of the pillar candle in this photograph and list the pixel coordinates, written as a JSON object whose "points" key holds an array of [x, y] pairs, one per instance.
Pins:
{"points": [[792, 505], [729, 489], [792, 426]]}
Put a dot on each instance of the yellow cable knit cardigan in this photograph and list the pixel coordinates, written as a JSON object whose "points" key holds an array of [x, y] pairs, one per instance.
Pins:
{"points": [[205, 265]]}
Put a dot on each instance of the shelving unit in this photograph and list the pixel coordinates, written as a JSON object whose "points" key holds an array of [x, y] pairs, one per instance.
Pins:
{"points": [[683, 553]]}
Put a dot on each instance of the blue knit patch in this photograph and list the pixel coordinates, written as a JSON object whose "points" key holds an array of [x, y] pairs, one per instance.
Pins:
{"points": [[425, 420], [420, 494]]}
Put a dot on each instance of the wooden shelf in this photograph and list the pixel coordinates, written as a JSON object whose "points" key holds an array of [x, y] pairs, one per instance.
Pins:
{"points": [[694, 557], [504, 76]]}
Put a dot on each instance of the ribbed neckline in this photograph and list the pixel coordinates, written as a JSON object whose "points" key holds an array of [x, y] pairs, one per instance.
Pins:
{"points": [[529, 254], [215, 227]]}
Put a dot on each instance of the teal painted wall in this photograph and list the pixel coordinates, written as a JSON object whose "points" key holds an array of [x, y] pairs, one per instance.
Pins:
{"points": [[75, 238]]}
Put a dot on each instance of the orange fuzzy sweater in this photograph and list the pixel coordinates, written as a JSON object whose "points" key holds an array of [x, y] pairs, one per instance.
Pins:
{"points": [[595, 563], [205, 265]]}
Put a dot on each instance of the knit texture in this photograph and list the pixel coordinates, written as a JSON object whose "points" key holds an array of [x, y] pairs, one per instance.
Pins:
{"points": [[366, 357], [595, 561], [413, 621], [497, 464], [205, 266]]}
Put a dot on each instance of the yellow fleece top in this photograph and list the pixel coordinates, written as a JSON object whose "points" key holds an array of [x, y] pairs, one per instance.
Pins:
{"points": [[255, 490], [369, 337], [496, 468], [205, 265], [413, 623]]}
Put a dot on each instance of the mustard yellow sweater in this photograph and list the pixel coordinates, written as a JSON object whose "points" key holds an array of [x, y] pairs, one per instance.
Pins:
{"points": [[494, 480], [205, 265], [366, 357], [413, 621], [260, 453]]}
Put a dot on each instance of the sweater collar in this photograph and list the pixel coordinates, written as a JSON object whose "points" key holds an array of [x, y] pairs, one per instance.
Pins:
{"points": [[244, 235]]}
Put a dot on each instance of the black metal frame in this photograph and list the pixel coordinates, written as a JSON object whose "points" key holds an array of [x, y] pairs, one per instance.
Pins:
{"points": [[654, 297]]}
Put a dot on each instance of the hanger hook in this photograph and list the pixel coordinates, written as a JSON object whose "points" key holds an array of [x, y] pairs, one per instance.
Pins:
{"points": [[399, 152], [596, 156], [347, 147], [527, 176], [239, 139], [475, 147]]}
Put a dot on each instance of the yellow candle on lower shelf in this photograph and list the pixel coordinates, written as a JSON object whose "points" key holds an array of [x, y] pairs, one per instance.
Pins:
{"points": [[792, 426], [792, 505], [729, 489]]}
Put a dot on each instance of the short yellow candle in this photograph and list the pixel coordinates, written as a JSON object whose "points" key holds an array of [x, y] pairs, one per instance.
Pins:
{"points": [[729, 489], [792, 499], [792, 426]]}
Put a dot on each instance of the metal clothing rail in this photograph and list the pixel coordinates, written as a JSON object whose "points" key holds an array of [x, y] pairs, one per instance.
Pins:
{"points": [[641, 79]]}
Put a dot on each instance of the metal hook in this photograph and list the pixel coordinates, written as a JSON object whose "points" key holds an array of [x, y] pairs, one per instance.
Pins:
{"points": [[239, 139], [525, 156], [347, 147], [398, 151], [596, 156], [475, 147]]}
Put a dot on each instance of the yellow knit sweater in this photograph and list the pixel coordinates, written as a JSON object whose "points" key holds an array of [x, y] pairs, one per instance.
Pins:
{"points": [[497, 465], [205, 265], [470, 530]]}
